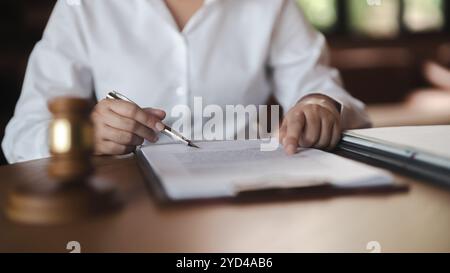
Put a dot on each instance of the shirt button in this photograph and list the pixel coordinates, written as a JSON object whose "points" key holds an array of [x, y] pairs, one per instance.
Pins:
{"points": [[181, 91]]}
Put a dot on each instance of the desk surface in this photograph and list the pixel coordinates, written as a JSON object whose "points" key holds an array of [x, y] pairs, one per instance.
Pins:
{"points": [[413, 221]]}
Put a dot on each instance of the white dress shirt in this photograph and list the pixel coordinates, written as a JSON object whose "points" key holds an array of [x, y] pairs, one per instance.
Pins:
{"points": [[230, 52]]}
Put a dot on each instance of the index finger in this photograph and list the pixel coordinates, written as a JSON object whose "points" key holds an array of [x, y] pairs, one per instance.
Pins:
{"points": [[133, 111], [295, 125]]}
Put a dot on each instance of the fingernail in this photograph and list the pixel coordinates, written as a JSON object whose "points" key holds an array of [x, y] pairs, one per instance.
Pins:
{"points": [[291, 149], [159, 126]]}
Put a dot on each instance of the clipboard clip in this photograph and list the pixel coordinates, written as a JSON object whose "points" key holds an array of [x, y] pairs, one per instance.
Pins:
{"points": [[277, 183]]}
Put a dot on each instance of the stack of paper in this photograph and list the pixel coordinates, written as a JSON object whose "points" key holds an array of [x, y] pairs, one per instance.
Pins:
{"points": [[421, 150], [226, 168]]}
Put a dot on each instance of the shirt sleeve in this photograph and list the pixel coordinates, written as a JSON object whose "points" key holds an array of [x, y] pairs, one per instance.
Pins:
{"points": [[58, 66], [299, 64]]}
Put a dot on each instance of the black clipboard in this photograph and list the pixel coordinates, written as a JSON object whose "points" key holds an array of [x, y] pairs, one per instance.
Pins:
{"points": [[394, 162], [158, 193]]}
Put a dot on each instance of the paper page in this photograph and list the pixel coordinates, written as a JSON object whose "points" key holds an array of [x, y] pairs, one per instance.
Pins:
{"points": [[431, 139], [224, 168]]}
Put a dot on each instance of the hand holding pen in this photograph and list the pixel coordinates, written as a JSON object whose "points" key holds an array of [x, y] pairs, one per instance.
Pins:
{"points": [[121, 125]]}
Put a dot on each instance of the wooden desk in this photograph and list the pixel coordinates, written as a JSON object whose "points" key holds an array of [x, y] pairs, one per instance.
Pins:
{"points": [[414, 221]]}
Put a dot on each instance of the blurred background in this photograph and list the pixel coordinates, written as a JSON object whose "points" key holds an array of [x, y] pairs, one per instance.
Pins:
{"points": [[380, 47]]}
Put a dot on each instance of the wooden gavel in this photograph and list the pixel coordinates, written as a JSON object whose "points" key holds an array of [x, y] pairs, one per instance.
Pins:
{"points": [[65, 195], [70, 140]]}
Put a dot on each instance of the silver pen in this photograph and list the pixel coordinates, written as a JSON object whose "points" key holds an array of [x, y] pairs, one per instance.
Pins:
{"points": [[167, 130]]}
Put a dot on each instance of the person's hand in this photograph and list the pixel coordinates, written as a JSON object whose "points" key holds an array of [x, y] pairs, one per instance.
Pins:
{"points": [[313, 123], [120, 126], [437, 75]]}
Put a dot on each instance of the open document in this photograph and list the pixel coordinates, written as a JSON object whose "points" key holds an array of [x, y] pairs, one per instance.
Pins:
{"points": [[227, 168]]}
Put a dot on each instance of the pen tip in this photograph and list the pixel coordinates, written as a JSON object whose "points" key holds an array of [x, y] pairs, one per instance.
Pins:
{"points": [[193, 145]]}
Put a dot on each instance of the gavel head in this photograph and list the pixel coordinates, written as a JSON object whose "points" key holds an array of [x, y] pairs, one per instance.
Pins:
{"points": [[71, 138]]}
